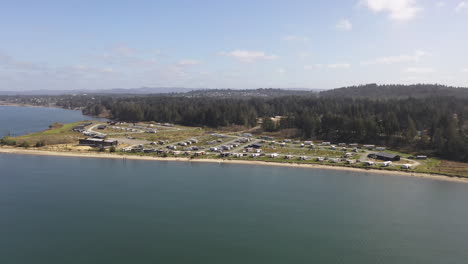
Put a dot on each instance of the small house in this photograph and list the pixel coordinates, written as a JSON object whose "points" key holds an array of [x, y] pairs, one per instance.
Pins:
{"points": [[368, 146], [387, 164], [406, 166], [384, 156]]}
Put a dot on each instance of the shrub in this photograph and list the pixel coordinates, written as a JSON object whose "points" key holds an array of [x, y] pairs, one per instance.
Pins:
{"points": [[40, 143], [24, 144], [7, 141]]}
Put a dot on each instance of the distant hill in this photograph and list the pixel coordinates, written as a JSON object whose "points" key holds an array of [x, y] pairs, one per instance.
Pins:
{"points": [[143, 90], [190, 92], [396, 91]]}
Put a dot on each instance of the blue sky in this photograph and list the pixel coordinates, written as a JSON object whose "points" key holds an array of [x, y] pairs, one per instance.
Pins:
{"points": [[231, 44]]}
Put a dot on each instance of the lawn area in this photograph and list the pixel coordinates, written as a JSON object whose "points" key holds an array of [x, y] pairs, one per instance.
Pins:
{"points": [[57, 134]]}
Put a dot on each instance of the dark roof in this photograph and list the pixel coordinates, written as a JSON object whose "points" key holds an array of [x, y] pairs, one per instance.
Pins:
{"points": [[386, 155]]}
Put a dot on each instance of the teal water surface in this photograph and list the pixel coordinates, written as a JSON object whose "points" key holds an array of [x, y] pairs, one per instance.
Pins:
{"points": [[57, 210]]}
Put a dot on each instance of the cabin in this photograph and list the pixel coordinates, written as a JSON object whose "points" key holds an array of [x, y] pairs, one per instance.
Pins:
{"points": [[224, 154], [96, 142], [82, 127], [255, 146], [369, 147], [369, 163], [387, 164], [320, 159], [406, 166], [101, 136], [380, 148], [303, 158], [288, 157], [255, 155], [384, 156], [101, 127], [421, 157], [273, 155]]}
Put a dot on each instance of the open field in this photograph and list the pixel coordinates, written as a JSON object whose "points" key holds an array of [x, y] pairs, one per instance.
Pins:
{"points": [[57, 134]]}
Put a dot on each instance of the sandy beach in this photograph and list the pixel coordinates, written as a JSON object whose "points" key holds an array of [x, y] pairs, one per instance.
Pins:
{"points": [[226, 161]]}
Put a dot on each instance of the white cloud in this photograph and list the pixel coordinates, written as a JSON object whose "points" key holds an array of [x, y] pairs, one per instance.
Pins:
{"points": [[420, 70], [339, 66], [249, 56], [461, 7], [464, 70], [397, 59], [400, 10], [295, 38], [308, 67], [344, 24], [281, 71], [188, 62]]}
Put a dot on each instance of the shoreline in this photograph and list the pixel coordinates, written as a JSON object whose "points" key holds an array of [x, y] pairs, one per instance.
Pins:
{"points": [[226, 161], [3, 103]]}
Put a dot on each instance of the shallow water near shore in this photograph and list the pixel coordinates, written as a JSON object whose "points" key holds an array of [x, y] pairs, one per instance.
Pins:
{"points": [[75, 210]]}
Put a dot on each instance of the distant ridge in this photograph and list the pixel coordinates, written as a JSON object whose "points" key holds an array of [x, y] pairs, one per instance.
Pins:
{"points": [[143, 90], [397, 91], [167, 90]]}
